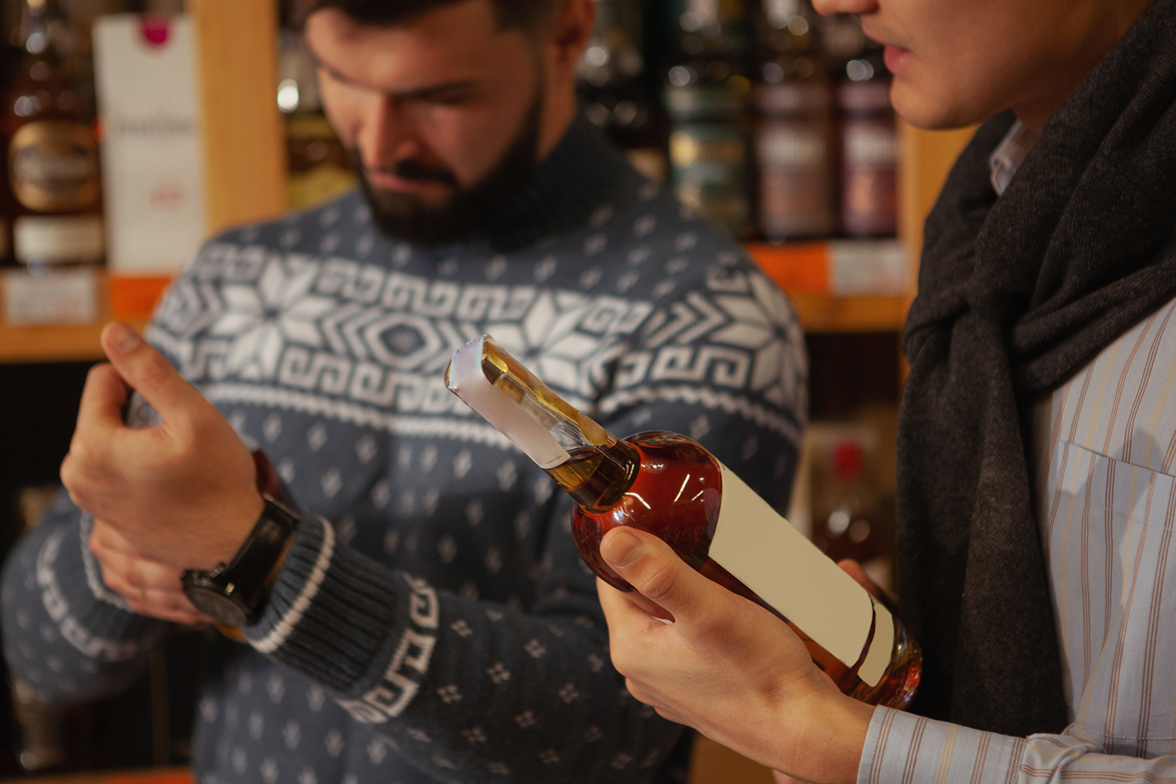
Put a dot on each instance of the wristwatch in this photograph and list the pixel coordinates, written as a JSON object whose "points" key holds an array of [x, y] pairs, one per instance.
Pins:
{"points": [[234, 593]]}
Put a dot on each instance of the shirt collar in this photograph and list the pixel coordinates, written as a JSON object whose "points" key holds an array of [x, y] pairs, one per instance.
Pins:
{"points": [[1008, 155]]}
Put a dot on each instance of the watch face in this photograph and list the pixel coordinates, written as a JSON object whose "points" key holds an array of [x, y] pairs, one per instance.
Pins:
{"points": [[211, 602]]}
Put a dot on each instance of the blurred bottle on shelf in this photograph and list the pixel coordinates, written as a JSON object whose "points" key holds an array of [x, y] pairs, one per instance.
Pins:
{"points": [[614, 86], [867, 131], [869, 148], [319, 166], [842, 40], [711, 29], [794, 134], [851, 518], [707, 91], [53, 187]]}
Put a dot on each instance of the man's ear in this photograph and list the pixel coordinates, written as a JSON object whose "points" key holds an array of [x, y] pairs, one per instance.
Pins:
{"points": [[570, 34]]}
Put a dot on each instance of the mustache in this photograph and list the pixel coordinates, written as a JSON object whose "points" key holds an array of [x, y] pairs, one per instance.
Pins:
{"points": [[415, 171]]}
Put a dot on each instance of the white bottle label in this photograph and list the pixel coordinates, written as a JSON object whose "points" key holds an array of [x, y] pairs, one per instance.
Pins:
{"points": [[764, 552], [55, 239], [67, 296]]}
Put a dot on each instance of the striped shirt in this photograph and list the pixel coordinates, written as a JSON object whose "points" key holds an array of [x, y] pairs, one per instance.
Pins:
{"points": [[1104, 454]]}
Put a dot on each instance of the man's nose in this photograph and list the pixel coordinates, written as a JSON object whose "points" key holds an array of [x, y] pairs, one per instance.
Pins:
{"points": [[831, 7], [386, 134]]}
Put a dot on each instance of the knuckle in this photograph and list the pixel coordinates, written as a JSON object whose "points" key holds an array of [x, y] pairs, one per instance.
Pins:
{"points": [[658, 581]]}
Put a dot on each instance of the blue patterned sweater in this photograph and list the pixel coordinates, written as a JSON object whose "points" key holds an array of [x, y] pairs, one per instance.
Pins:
{"points": [[433, 621]]}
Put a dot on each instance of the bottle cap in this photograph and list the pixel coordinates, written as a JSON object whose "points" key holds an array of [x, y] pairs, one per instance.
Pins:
{"points": [[466, 379]]}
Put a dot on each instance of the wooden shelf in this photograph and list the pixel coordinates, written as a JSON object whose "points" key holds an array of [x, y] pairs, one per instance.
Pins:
{"points": [[806, 271], [821, 313], [59, 343], [818, 312], [168, 775]]}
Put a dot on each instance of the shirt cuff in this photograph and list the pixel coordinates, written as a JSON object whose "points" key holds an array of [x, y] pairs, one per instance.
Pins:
{"points": [[905, 749]]}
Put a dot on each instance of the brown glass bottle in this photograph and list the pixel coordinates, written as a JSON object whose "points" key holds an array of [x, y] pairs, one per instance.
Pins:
{"points": [[53, 185], [670, 486]]}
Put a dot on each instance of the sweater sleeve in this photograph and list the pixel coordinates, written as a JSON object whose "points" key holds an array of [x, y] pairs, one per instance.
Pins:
{"points": [[457, 684], [901, 747], [67, 636]]}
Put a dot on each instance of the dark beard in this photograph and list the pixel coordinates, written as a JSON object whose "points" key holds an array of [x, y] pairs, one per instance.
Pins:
{"points": [[469, 210]]}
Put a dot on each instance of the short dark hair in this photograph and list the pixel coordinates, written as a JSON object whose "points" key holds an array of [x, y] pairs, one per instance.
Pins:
{"points": [[511, 14]]}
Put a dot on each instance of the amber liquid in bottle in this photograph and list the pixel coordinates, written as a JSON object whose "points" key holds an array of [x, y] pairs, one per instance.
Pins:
{"points": [[670, 486]]}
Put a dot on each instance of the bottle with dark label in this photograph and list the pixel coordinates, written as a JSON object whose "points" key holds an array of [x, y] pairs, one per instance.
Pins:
{"points": [[794, 134], [869, 149], [671, 486], [707, 91], [53, 182]]}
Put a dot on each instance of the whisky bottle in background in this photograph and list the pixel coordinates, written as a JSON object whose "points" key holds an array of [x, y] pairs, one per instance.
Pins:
{"points": [[794, 134], [614, 88], [706, 101], [869, 148], [707, 92], [318, 165], [851, 519], [669, 485], [53, 183]]}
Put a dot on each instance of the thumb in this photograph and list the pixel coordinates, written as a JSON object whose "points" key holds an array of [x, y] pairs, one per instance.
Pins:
{"points": [[656, 571], [145, 369]]}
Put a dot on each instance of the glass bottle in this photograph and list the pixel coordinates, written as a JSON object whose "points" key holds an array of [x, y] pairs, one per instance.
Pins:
{"points": [[869, 149], [851, 518], [613, 86], [706, 101], [711, 29], [318, 166], [53, 182], [794, 135], [669, 485], [706, 91]]}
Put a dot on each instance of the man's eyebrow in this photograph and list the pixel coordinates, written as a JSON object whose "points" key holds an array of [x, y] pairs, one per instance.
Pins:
{"points": [[422, 93]]}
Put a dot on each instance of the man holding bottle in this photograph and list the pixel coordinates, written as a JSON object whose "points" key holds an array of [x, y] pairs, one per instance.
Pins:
{"points": [[423, 614], [1036, 437]]}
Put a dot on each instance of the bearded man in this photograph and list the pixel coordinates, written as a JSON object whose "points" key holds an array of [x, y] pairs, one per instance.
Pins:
{"points": [[424, 615]]}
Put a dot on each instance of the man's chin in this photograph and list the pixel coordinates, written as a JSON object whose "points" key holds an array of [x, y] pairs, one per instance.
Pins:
{"points": [[418, 221]]}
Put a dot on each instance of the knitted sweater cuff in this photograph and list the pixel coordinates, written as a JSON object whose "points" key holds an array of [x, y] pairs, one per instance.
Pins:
{"points": [[333, 615], [93, 618]]}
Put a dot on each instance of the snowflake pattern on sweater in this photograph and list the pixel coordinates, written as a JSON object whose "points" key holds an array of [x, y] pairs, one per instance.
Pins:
{"points": [[433, 621]]}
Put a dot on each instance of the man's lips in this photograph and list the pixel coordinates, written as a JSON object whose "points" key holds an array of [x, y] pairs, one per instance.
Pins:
{"points": [[390, 182], [897, 59]]}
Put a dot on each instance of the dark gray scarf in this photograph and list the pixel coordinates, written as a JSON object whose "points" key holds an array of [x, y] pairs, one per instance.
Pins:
{"points": [[1016, 294]]}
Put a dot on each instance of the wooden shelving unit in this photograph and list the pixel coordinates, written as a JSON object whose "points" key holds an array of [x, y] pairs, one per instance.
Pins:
{"points": [[56, 343]]}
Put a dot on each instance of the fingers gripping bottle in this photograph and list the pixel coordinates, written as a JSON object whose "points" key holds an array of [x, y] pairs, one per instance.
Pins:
{"points": [[670, 486]]}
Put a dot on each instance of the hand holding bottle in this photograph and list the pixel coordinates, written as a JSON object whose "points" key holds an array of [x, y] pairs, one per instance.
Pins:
{"points": [[725, 667], [671, 486]]}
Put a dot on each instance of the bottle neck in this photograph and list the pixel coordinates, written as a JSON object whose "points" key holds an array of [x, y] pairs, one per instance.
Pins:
{"points": [[598, 476]]}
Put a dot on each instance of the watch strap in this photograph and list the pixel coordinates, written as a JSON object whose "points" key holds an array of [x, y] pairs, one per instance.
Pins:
{"points": [[245, 581], [250, 573]]}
